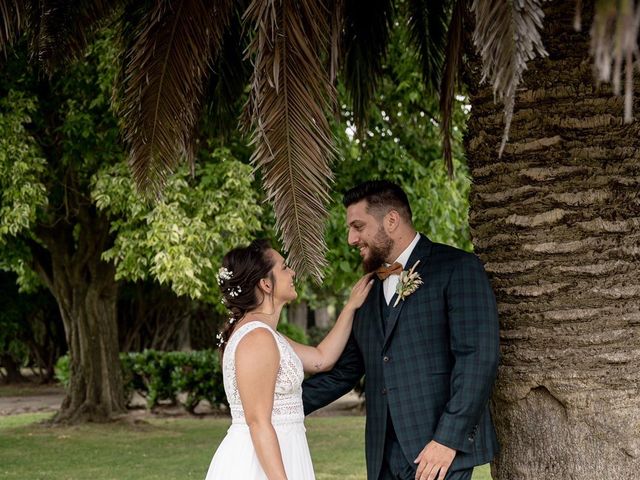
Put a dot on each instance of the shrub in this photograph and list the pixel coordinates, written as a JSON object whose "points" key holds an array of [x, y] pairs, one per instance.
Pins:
{"points": [[161, 376], [294, 332], [62, 370]]}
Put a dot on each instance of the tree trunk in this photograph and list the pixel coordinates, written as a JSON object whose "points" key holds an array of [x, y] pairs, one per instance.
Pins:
{"points": [[298, 314], [323, 319], [557, 222], [95, 391], [86, 292], [12, 368]]}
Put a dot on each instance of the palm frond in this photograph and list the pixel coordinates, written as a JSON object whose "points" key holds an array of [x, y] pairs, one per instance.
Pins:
{"points": [[66, 27], [507, 36], [13, 15], [452, 62], [367, 26], [230, 75], [290, 99], [164, 77], [614, 42], [428, 20], [336, 13], [577, 18]]}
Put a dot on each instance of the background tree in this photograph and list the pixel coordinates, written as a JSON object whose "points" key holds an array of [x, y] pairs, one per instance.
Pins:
{"points": [[70, 213], [31, 332]]}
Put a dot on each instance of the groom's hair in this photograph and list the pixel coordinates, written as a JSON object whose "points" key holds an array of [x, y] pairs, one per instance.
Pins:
{"points": [[381, 196]]}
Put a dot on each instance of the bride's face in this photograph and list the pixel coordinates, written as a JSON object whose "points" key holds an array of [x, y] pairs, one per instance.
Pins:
{"points": [[283, 277]]}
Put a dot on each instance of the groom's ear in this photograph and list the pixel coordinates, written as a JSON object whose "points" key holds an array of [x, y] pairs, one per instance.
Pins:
{"points": [[391, 220]]}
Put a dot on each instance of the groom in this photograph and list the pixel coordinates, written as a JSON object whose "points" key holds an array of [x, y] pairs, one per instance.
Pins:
{"points": [[430, 356]]}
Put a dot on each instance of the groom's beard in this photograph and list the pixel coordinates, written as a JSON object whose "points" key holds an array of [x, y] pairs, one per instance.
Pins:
{"points": [[378, 251]]}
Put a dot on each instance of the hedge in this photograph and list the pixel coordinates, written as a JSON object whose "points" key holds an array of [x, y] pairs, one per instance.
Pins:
{"points": [[162, 376]]}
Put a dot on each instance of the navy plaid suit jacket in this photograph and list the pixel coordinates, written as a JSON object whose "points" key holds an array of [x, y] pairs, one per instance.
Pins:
{"points": [[433, 370]]}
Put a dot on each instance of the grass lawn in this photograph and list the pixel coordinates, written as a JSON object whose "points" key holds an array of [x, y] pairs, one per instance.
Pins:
{"points": [[164, 449]]}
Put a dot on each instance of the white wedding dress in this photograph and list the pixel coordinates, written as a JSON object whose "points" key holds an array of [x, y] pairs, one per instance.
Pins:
{"points": [[236, 458]]}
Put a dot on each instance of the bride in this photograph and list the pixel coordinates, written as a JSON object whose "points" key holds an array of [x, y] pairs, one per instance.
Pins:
{"points": [[263, 370]]}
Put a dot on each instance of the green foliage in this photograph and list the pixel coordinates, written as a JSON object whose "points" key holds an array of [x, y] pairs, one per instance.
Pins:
{"points": [[294, 332], [162, 376], [317, 334], [63, 370], [180, 239], [401, 144], [21, 166], [61, 149]]}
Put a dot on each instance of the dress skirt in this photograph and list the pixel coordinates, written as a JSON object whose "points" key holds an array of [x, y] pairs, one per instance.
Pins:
{"points": [[236, 458]]}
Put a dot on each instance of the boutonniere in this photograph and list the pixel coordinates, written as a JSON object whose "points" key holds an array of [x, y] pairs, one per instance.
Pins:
{"points": [[408, 283]]}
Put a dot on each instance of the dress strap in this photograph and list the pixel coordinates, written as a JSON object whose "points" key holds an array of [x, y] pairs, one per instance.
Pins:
{"points": [[238, 335]]}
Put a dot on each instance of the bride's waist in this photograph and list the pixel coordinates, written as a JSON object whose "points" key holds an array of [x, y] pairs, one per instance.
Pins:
{"points": [[285, 412]]}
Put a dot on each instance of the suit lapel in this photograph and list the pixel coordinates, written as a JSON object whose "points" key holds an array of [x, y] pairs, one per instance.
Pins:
{"points": [[420, 252]]}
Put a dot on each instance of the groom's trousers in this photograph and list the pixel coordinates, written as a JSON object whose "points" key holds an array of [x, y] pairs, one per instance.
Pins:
{"points": [[395, 465]]}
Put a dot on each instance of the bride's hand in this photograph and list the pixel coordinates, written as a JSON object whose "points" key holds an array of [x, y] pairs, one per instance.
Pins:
{"points": [[360, 291]]}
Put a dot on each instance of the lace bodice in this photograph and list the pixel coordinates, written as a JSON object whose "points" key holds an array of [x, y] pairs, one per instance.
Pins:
{"points": [[287, 398]]}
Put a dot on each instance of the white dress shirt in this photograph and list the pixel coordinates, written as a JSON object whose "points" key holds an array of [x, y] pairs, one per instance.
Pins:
{"points": [[390, 283]]}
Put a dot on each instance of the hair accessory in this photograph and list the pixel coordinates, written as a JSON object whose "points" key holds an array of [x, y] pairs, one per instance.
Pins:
{"points": [[234, 291], [220, 339], [224, 274]]}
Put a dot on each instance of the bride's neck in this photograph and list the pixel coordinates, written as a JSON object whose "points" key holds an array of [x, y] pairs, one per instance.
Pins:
{"points": [[267, 313]]}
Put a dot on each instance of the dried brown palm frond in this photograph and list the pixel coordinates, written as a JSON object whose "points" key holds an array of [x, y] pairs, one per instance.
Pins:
{"points": [[290, 99], [507, 36], [13, 15], [614, 43], [428, 21], [66, 27], [452, 62], [367, 26], [164, 77], [336, 14], [577, 18], [229, 78]]}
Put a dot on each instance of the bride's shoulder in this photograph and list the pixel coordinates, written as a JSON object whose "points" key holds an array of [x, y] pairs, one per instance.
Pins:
{"points": [[257, 349], [255, 335]]}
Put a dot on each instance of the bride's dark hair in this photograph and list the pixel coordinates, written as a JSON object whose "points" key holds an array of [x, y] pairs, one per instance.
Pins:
{"points": [[242, 269]]}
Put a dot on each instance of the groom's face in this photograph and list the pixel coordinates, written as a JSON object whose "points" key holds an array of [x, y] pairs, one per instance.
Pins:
{"points": [[367, 232]]}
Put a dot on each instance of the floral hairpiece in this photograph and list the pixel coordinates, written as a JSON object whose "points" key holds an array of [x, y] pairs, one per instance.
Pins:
{"points": [[224, 274], [220, 336], [234, 291]]}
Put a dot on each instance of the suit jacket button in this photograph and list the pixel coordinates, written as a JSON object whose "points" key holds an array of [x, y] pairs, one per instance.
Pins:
{"points": [[384, 391], [385, 359]]}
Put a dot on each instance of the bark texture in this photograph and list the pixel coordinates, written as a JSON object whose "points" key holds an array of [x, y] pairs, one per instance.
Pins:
{"points": [[86, 292], [556, 221]]}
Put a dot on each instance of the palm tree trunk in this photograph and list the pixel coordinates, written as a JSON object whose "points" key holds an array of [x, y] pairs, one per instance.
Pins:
{"points": [[557, 222]]}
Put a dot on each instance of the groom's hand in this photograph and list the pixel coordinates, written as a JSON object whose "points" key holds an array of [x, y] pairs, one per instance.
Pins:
{"points": [[434, 461]]}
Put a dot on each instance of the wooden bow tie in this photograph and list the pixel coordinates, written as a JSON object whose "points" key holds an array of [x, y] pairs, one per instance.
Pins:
{"points": [[384, 272]]}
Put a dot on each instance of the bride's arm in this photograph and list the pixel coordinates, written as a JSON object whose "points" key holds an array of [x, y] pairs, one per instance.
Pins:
{"points": [[256, 385], [323, 357]]}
